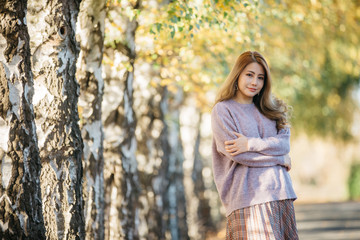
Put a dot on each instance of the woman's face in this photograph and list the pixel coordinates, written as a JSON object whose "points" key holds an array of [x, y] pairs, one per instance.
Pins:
{"points": [[250, 82]]}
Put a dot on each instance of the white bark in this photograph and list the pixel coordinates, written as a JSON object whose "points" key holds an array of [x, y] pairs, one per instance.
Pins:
{"points": [[20, 204], [169, 185], [52, 28], [121, 124], [202, 215], [90, 33]]}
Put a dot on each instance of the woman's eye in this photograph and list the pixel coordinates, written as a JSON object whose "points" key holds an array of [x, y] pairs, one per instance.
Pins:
{"points": [[249, 75]]}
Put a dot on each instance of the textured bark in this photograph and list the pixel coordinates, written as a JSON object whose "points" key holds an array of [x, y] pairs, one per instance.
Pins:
{"points": [[52, 30], [125, 183], [90, 32], [20, 196], [170, 185]]}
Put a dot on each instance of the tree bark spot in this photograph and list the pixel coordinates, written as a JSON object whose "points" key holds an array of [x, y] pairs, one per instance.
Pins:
{"points": [[62, 32]]}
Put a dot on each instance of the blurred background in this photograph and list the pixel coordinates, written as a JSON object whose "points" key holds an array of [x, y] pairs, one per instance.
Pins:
{"points": [[183, 52]]}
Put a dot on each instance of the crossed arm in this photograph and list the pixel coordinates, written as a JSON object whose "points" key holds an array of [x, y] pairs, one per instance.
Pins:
{"points": [[272, 146], [252, 152]]}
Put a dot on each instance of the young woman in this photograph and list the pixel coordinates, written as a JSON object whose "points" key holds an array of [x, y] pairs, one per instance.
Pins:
{"points": [[250, 154]]}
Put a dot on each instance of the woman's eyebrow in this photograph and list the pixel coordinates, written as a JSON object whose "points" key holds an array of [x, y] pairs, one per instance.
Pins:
{"points": [[254, 72]]}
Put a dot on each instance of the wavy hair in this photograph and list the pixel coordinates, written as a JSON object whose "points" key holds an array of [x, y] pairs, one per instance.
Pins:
{"points": [[270, 106]]}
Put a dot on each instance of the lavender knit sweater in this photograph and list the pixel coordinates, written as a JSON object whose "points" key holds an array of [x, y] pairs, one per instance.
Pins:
{"points": [[256, 176]]}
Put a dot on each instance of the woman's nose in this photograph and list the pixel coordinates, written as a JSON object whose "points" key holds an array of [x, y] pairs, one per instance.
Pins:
{"points": [[254, 81]]}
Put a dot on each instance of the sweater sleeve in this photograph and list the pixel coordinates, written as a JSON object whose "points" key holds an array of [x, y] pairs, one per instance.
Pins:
{"points": [[273, 146], [223, 127]]}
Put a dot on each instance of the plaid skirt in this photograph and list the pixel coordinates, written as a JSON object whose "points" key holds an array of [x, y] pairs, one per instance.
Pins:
{"points": [[268, 221]]}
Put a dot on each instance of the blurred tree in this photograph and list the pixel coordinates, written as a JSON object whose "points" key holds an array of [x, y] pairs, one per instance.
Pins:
{"points": [[205, 40], [150, 149], [20, 195], [193, 45], [90, 30], [203, 210], [126, 182], [179, 63], [354, 181], [314, 57], [54, 53], [298, 38], [171, 173]]}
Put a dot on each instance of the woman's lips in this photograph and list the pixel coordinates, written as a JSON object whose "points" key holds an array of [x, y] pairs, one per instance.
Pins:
{"points": [[252, 89]]}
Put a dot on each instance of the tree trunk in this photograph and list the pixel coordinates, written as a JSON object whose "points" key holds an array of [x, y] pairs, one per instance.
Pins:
{"points": [[90, 31], [125, 181], [151, 123], [20, 196], [129, 182], [170, 183], [54, 49], [203, 215]]}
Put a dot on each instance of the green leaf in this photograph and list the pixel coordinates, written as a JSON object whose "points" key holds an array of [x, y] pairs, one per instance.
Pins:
{"points": [[183, 7], [174, 19]]}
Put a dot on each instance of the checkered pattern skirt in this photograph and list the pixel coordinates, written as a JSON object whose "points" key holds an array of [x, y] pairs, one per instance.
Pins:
{"points": [[268, 221]]}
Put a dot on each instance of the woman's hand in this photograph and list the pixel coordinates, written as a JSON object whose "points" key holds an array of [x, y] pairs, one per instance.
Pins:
{"points": [[287, 162], [237, 146]]}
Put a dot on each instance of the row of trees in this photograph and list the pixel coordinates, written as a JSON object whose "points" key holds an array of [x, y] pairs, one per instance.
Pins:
{"points": [[92, 95]]}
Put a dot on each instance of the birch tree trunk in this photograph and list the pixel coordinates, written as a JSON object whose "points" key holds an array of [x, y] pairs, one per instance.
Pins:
{"points": [[54, 49], [203, 215], [90, 31], [123, 173], [170, 183], [151, 123], [130, 186], [20, 196]]}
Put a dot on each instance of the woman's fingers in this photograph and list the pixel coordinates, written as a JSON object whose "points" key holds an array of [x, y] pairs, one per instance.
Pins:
{"points": [[230, 145], [230, 142], [233, 141], [236, 146], [238, 134], [235, 153], [230, 148]]}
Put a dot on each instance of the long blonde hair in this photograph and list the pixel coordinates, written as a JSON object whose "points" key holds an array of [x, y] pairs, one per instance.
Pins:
{"points": [[270, 106]]}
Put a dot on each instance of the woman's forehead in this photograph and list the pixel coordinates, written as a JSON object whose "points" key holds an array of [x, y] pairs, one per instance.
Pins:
{"points": [[255, 67]]}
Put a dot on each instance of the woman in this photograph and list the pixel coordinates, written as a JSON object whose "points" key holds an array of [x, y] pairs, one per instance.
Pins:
{"points": [[251, 142]]}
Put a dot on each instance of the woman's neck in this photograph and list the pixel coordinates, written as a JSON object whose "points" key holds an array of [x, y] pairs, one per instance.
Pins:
{"points": [[243, 100]]}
